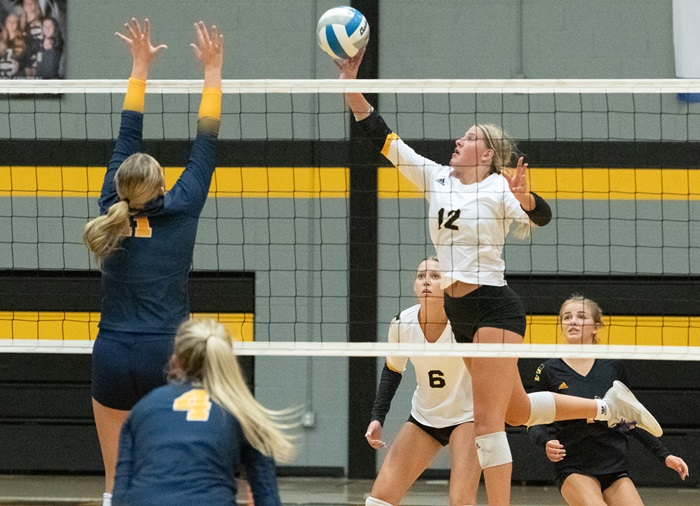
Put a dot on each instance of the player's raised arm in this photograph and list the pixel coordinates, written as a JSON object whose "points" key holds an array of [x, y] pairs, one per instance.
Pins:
{"points": [[142, 53], [209, 50]]}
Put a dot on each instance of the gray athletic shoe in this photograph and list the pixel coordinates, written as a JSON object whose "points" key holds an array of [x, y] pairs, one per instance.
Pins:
{"points": [[625, 407]]}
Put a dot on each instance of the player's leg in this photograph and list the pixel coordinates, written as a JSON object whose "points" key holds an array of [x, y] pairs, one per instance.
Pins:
{"points": [[109, 423], [493, 380], [112, 397], [409, 455], [622, 492], [619, 404], [582, 490], [465, 470]]}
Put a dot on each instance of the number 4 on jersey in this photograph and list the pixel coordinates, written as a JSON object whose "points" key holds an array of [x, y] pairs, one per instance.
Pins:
{"points": [[197, 404]]}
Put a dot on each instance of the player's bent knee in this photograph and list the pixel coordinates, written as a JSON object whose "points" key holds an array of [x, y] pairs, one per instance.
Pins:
{"points": [[543, 408], [493, 450], [373, 501]]}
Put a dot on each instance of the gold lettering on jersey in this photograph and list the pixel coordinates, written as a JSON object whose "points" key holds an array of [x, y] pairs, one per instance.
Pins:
{"points": [[196, 403], [538, 372], [143, 228]]}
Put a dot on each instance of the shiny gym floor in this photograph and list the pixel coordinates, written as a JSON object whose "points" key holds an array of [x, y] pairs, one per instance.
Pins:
{"points": [[39, 490]]}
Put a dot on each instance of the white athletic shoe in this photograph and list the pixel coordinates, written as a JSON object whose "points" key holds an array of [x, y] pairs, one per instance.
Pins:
{"points": [[625, 407]]}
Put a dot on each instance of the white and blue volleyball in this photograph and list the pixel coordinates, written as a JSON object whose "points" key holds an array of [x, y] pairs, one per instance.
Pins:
{"points": [[342, 32]]}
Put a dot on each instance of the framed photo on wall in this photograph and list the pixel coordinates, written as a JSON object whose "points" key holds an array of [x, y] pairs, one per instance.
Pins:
{"points": [[33, 39]]}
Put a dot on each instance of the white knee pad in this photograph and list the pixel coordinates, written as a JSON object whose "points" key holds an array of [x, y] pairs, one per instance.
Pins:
{"points": [[493, 450], [372, 501], [543, 408]]}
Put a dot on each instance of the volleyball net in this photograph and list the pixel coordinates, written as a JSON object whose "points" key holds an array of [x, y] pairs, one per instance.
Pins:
{"points": [[275, 255]]}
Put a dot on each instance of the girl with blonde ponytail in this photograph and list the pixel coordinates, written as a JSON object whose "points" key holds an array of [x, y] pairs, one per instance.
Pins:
{"points": [[474, 202], [143, 242], [184, 442]]}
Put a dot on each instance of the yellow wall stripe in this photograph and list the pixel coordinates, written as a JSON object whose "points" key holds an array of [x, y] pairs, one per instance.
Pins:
{"points": [[624, 330], [250, 182], [582, 184], [541, 329], [61, 325], [334, 182]]}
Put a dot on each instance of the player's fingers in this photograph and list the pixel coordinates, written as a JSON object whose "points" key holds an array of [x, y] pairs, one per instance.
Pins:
{"points": [[130, 30], [136, 27], [123, 37], [198, 31], [205, 33], [196, 50]]}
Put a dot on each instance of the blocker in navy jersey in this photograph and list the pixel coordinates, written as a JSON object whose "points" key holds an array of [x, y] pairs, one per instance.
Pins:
{"points": [[144, 281], [178, 447]]}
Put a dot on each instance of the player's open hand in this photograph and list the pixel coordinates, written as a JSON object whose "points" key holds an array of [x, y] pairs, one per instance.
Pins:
{"points": [[374, 435], [208, 49], [348, 68], [517, 181], [678, 465], [139, 41], [555, 450]]}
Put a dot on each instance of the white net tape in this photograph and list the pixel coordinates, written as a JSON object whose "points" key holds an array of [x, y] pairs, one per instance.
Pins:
{"points": [[290, 348], [528, 86]]}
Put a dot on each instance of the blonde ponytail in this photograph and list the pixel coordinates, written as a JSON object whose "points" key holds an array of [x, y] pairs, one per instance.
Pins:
{"points": [[138, 180], [204, 354], [103, 234]]}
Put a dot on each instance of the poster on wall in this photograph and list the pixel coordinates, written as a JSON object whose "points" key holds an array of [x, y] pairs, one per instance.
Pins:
{"points": [[33, 39]]}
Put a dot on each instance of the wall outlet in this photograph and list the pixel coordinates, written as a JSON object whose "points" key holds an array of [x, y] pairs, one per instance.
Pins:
{"points": [[308, 419]]}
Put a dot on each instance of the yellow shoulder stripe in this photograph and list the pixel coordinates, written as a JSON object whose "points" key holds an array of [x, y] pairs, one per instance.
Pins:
{"points": [[389, 139]]}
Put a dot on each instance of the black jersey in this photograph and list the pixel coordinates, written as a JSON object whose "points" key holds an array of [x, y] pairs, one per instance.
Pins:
{"points": [[591, 446]]}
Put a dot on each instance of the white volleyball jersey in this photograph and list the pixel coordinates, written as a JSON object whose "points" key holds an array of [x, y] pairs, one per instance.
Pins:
{"points": [[443, 396], [468, 223]]}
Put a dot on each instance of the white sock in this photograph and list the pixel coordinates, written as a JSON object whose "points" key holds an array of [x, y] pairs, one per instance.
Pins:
{"points": [[106, 499], [603, 412], [373, 501]]}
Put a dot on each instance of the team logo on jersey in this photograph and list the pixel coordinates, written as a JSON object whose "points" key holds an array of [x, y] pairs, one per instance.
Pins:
{"points": [[441, 181], [563, 386], [538, 372]]}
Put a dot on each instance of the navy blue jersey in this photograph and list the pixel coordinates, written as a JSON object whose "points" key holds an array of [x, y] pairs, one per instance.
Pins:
{"points": [[144, 281], [180, 448], [591, 446]]}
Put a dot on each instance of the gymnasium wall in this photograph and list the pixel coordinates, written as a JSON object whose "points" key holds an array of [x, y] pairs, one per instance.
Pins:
{"points": [[453, 39]]}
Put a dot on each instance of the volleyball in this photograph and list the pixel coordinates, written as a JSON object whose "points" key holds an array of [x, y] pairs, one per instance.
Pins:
{"points": [[342, 32]]}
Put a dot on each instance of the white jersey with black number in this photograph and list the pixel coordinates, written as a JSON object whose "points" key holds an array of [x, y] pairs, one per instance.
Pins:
{"points": [[443, 396], [468, 223]]}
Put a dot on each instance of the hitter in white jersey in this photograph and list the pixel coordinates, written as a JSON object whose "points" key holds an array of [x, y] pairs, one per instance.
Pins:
{"points": [[473, 203], [442, 410]]}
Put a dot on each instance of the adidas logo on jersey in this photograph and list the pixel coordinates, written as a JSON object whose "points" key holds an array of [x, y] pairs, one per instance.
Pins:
{"points": [[563, 385], [441, 181]]}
